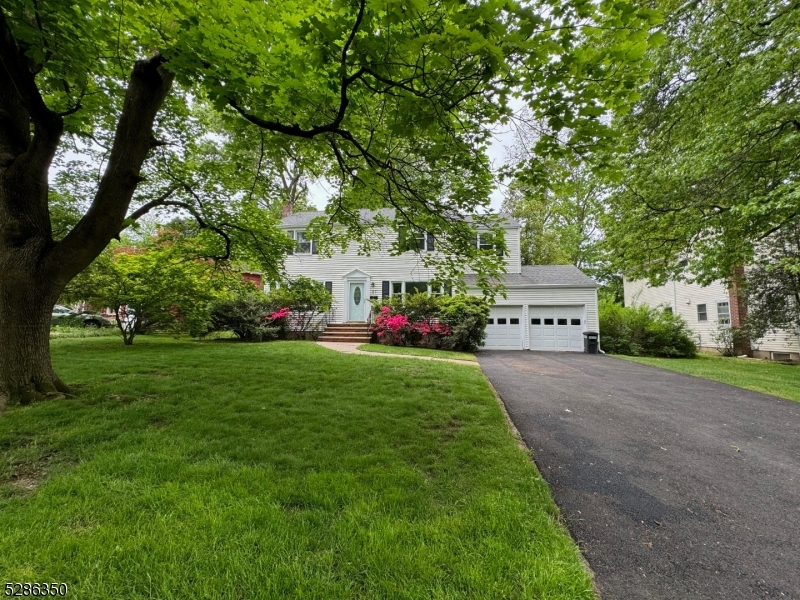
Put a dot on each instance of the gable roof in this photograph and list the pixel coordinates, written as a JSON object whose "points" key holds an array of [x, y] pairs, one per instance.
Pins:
{"points": [[543, 275], [303, 219]]}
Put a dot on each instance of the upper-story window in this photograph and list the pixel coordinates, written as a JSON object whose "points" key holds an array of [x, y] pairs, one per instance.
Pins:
{"points": [[417, 240], [484, 242], [304, 244]]}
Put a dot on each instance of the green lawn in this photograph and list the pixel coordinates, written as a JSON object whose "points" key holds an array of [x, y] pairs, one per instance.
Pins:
{"points": [[758, 375], [380, 348], [283, 470]]}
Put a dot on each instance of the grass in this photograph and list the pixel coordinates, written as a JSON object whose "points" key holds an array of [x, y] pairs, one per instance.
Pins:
{"points": [[758, 375], [382, 349], [66, 331], [224, 470]]}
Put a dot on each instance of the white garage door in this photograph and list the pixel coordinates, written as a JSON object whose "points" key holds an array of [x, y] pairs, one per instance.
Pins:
{"points": [[557, 328], [504, 330]]}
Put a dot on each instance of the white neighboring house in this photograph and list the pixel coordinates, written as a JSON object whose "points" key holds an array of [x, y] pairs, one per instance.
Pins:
{"points": [[705, 309], [547, 308]]}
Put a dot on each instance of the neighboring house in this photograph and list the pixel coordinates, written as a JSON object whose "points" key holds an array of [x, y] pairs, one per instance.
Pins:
{"points": [[705, 309], [547, 308]]}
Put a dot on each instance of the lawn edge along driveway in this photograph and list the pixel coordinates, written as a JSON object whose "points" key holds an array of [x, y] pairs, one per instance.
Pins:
{"points": [[280, 470], [763, 376]]}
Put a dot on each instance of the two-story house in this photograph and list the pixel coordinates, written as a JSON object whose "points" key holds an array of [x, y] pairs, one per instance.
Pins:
{"points": [[546, 307], [707, 308]]}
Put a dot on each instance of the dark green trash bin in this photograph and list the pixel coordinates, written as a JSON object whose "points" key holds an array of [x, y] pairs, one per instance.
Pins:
{"points": [[591, 342]]}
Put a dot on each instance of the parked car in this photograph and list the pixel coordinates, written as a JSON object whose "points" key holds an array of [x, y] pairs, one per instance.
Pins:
{"points": [[66, 316]]}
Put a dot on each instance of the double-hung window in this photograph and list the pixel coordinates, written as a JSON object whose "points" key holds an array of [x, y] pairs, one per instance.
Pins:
{"points": [[484, 242], [702, 313], [416, 239], [304, 244], [723, 313]]}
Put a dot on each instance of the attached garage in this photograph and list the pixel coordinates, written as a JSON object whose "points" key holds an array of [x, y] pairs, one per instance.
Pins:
{"points": [[546, 307], [558, 328], [504, 330]]}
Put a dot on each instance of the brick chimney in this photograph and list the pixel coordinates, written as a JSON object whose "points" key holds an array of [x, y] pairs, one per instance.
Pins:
{"points": [[738, 310], [255, 279]]}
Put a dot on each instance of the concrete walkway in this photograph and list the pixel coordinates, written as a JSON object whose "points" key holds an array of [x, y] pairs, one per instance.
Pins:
{"points": [[674, 487], [353, 349]]}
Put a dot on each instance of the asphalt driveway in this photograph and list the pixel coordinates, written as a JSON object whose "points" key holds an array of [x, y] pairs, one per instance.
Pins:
{"points": [[674, 487]]}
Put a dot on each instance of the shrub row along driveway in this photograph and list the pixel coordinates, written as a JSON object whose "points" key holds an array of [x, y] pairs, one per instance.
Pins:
{"points": [[673, 486]]}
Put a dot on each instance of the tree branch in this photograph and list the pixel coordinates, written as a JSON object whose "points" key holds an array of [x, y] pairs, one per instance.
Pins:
{"points": [[332, 127], [146, 208], [149, 85]]}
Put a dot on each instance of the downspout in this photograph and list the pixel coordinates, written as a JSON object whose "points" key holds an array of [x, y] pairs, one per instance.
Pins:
{"points": [[674, 298]]}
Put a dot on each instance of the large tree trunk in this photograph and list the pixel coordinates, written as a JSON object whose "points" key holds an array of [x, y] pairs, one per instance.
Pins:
{"points": [[34, 268], [26, 304]]}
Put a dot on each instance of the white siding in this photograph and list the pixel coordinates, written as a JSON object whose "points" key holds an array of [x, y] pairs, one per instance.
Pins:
{"points": [[379, 266], [684, 298], [782, 341]]}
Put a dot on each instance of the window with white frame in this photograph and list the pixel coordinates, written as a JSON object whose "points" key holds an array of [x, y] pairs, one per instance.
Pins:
{"points": [[484, 242], [416, 239], [416, 287], [723, 313], [304, 245], [702, 313], [398, 288]]}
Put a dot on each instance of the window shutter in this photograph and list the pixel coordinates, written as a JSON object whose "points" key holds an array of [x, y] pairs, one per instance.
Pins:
{"points": [[385, 289], [329, 286], [314, 247], [430, 242]]}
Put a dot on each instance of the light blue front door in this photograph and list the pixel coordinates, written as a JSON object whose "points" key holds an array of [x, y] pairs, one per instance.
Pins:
{"points": [[357, 302]]}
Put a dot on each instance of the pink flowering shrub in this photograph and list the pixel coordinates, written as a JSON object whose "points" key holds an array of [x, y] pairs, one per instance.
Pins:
{"points": [[279, 320], [283, 313], [391, 329], [397, 330]]}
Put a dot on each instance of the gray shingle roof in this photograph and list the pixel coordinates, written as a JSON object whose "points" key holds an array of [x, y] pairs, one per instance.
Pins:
{"points": [[543, 275], [302, 219]]}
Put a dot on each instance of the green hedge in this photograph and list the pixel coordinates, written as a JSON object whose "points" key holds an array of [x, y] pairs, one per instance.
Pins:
{"points": [[644, 331]]}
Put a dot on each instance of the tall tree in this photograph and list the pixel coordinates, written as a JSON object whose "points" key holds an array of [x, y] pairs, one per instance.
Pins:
{"points": [[713, 146], [559, 220], [398, 98]]}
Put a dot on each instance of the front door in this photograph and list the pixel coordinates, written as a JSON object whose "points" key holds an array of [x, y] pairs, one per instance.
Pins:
{"points": [[357, 302]]}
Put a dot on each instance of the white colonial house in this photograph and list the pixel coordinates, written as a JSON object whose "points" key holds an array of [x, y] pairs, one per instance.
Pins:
{"points": [[546, 308], [705, 309]]}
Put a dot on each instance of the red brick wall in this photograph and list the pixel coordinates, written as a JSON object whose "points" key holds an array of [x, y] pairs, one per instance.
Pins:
{"points": [[255, 279]]}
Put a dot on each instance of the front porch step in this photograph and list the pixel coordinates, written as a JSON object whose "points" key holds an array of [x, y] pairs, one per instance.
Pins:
{"points": [[346, 340], [352, 333]]}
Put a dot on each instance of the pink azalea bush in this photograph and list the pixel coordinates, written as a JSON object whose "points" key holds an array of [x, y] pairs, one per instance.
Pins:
{"points": [[397, 330], [283, 313]]}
